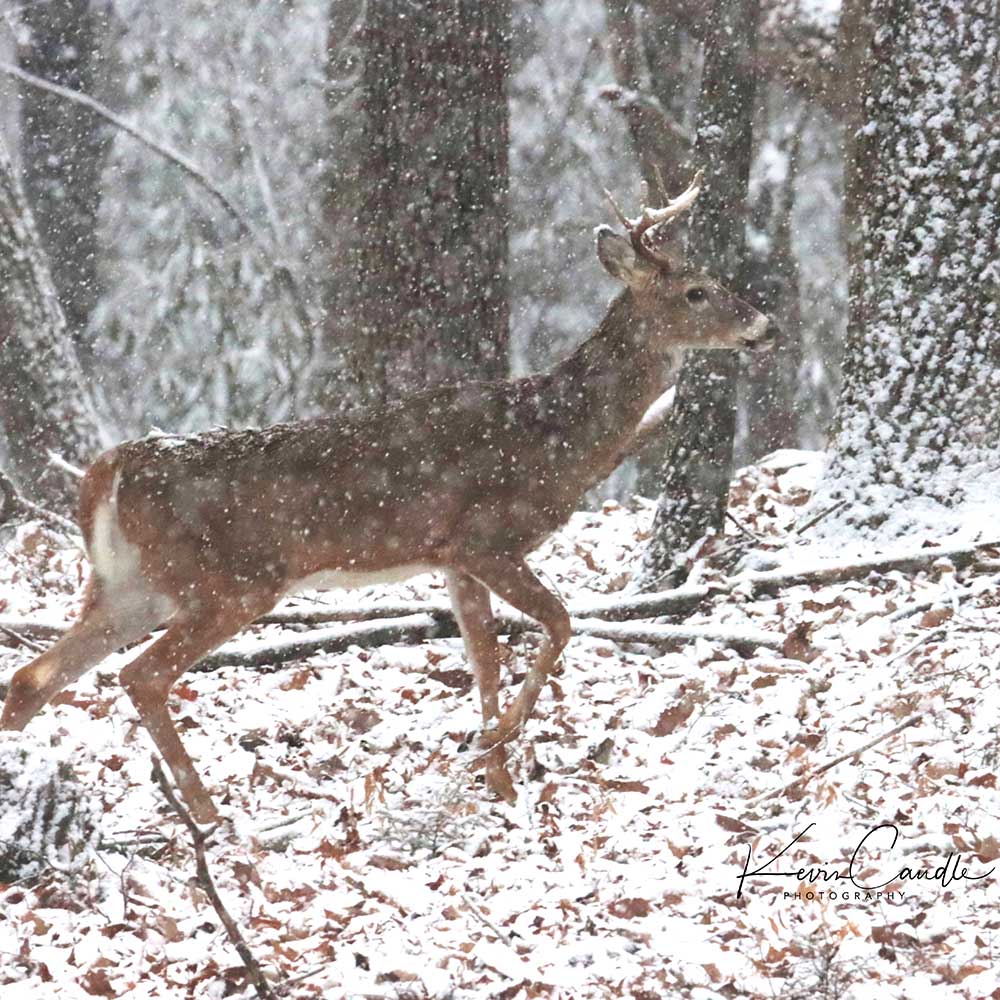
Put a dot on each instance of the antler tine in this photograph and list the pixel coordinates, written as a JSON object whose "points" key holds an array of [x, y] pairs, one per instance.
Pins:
{"points": [[659, 182], [654, 216], [622, 218], [650, 217]]}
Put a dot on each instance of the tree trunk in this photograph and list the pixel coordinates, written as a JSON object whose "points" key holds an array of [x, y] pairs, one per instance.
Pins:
{"points": [[918, 417], [64, 147], [41, 406], [770, 386], [698, 463], [433, 303]]}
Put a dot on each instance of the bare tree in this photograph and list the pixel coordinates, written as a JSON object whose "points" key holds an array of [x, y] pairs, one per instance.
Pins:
{"points": [[41, 406], [918, 415], [64, 147], [432, 303], [698, 463]]}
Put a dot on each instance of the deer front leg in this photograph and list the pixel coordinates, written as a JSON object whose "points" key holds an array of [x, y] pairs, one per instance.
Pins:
{"points": [[149, 677], [470, 601], [511, 578]]}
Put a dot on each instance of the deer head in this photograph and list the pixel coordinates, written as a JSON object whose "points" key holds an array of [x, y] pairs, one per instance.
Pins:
{"points": [[677, 304]]}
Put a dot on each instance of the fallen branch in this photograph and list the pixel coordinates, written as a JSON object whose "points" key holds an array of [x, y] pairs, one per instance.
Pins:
{"points": [[610, 608], [21, 640], [422, 627], [336, 639], [744, 640], [666, 602], [25, 627], [207, 883], [833, 572]]}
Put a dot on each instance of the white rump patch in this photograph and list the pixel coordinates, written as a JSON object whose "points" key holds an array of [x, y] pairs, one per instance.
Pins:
{"points": [[116, 560]]}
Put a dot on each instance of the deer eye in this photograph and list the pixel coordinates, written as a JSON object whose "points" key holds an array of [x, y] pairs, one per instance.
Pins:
{"points": [[696, 295]]}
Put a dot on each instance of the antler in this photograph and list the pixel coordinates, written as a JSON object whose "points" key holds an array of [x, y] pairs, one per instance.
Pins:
{"points": [[650, 217]]}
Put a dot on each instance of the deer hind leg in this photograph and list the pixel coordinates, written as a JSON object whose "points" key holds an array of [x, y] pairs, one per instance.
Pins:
{"points": [[512, 580], [470, 601], [105, 624], [149, 677]]}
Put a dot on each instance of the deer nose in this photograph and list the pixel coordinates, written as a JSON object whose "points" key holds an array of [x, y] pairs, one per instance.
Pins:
{"points": [[772, 333]]}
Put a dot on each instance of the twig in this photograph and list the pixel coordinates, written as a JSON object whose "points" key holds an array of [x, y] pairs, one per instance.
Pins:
{"points": [[192, 170], [188, 166], [205, 880], [815, 519], [58, 462], [36, 630], [14, 503], [905, 724], [744, 530], [476, 912], [22, 640], [925, 638], [822, 769]]}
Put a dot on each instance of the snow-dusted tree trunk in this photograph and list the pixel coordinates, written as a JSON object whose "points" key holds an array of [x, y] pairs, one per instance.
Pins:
{"points": [[919, 414], [41, 406], [433, 298], [698, 463], [64, 147]]}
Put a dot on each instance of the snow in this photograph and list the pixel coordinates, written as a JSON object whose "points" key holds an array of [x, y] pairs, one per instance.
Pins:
{"points": [[361, 852]]}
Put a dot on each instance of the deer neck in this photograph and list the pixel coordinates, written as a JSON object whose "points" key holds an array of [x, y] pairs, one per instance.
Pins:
{"points": [[606, 386]]}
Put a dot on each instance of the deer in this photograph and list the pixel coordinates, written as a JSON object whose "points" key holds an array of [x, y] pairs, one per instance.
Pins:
{"points": [[200, 535]]}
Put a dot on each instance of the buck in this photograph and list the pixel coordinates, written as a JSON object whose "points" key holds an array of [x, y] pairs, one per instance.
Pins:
{"points": [[205, 533]]}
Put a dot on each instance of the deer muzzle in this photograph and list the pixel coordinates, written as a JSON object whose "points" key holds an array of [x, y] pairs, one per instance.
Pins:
{"points": [[762, 336]]}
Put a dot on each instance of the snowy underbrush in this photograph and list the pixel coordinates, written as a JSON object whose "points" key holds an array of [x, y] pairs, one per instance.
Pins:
{"points": [[361, 854]]}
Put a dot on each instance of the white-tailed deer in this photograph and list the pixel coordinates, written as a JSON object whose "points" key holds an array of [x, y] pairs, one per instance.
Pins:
{"points": [[205, 533]]}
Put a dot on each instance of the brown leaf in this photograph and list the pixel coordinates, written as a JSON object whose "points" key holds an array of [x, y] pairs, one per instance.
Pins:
{"points": [[95, 981], [722, 732], [629, 909], [246, 873], [460, 680], [732, 824], [674, 717], [387, 863], [616, 785], [797, 646], [984, 781], [297, 681], [764, 682], [167, 926], [935, 616], [185, 692], [361, 719], [987, 849]]}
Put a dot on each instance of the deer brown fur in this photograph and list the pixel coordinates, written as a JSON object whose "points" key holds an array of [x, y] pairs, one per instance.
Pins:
{"points": [[203, 534]]}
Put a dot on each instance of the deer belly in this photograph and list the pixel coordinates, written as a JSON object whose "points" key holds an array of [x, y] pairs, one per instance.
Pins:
{"points": [[339, 579]]}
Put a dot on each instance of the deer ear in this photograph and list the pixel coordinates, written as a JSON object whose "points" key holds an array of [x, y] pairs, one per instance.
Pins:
{"points": [[616, 254]]}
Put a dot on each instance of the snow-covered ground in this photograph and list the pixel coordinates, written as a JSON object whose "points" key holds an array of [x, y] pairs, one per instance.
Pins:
{"points": [[362, 855]]}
